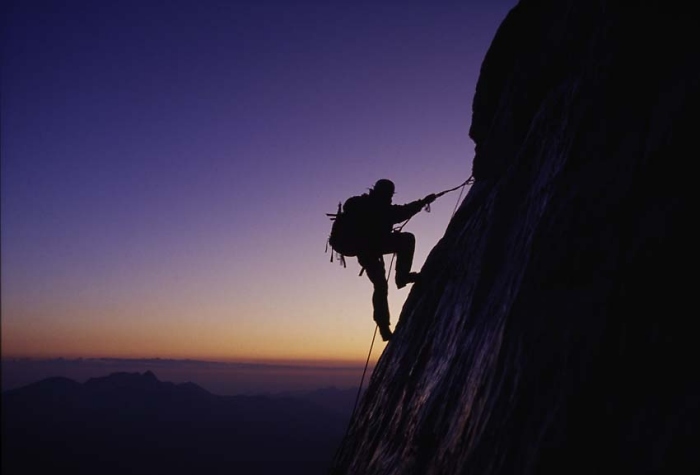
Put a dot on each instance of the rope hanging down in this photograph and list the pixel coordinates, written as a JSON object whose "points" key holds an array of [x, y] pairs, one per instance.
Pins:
{"points": [[359, 390]]}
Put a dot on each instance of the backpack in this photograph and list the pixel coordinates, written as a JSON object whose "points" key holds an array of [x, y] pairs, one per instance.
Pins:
{"points": [[347, 237]]}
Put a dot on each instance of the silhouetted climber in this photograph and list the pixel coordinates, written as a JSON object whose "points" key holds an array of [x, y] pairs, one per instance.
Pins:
{"points": [[365, 228]]}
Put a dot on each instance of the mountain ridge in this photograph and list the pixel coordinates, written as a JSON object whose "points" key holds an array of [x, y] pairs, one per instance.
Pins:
{"points": [[134, 423]]}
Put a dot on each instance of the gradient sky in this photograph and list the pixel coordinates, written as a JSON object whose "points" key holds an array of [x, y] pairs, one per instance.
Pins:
{"points": [[167, 167]]}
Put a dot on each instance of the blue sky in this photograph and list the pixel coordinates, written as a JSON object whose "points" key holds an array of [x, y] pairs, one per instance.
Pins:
{"points": [[167, 167]]}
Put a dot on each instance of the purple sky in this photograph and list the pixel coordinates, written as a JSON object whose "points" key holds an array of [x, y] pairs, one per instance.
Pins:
{"points": [[167, 167]]}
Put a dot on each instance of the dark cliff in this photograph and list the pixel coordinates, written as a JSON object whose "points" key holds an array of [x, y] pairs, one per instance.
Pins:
{"points": [[553, 329]]}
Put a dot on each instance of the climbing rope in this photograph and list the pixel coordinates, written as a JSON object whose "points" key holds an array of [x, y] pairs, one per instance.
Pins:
{"points": [[468, 181], [364, 371], [391, 263], [359, 390], [437, 195]]}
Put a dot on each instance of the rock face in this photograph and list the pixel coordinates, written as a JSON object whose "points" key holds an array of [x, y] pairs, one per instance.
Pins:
{"points": [[553, 331]]}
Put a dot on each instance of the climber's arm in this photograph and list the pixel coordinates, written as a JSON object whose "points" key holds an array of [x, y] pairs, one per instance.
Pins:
{"points": [[401, 213]]}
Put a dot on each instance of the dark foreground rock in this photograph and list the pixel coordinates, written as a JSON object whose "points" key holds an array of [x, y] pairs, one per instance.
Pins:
{"points": [[553, 329]]}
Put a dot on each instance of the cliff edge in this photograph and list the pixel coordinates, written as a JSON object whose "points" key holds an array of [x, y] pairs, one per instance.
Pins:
{"points": [[552, 331]]}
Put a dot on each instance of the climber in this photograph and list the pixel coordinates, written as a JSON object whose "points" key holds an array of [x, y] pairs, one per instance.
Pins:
{"points": [[377, 216]]}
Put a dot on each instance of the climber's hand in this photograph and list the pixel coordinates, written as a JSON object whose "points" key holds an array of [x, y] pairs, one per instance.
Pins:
{"points": [[429, 199]]}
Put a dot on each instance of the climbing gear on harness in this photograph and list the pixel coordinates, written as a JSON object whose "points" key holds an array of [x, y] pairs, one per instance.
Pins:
{"points": [[339, 223]]}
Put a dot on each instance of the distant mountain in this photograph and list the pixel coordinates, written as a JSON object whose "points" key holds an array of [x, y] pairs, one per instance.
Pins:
{"points": [[132, 423], [339, 401]]}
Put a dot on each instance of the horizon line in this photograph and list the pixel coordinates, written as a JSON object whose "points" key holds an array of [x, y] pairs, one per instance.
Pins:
{"points": [[223, 362]]}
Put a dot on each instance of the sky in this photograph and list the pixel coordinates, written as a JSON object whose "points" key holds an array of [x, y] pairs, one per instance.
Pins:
{"points": [[167, 167]]}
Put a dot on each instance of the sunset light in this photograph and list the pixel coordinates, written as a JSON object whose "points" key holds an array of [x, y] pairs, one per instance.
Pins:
{"points": [[166, 172]]}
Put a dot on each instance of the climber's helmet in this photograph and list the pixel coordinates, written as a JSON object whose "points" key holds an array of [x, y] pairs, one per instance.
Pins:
{"points": [[383, 188]]}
